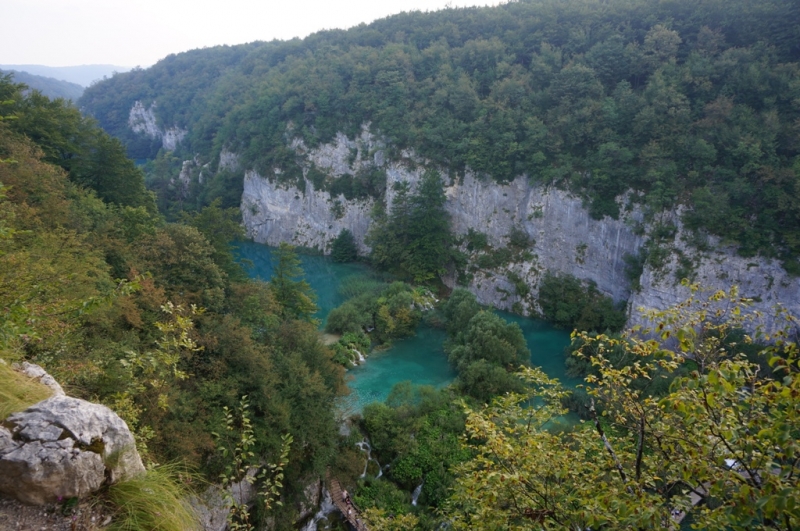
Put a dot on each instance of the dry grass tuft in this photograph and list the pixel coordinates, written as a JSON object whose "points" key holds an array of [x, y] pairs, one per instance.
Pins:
{"points": [[18, 392]]}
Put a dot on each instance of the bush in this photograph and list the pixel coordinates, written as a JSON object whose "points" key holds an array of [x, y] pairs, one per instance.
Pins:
{"points": [[458, 310], [495, 258], [484, 380], [390, 311], [350, 347], [519, 239], [383, 495], [347, 318], [476, 241], [569, 303]]}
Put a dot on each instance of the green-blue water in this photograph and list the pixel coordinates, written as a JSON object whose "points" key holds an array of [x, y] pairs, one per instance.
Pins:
{"points": [[322, 274], [419, 359]]}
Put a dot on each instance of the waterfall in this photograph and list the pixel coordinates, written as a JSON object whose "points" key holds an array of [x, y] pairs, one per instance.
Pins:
{"points": [[365, 447], [361, 358], [326, 507], [416, 493]]}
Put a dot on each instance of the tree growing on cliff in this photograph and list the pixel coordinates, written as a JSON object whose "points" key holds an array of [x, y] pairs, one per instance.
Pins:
{"points": [[724, 435]]}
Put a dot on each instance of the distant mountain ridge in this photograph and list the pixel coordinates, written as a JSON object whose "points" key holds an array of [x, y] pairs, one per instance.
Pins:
{"points": [[83, 75], [49, 86]]}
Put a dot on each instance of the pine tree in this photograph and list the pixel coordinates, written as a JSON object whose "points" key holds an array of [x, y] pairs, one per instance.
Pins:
{"points": [[344, 247], [290, 290]]}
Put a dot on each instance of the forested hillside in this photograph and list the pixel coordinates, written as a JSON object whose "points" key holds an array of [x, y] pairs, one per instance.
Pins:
{"points": [[681, 101], [48, 86], [153, 319]]}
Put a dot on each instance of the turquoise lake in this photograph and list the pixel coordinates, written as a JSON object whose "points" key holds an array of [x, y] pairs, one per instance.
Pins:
{"points": [[419, 359]]}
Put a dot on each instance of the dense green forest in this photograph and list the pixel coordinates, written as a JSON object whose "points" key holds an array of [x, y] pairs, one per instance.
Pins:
{"points": [[48, 86], [153, 319], [681, 101], [158, 321]]}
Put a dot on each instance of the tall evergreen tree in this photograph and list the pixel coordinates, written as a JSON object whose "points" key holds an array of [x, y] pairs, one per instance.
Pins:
{"points": [[344, 247], [414, 240], [429, 230], [290, 290]]}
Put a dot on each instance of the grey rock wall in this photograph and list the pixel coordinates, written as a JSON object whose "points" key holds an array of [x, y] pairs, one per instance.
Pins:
{"points": [[565, 238], [760, 279], [143, 121]]}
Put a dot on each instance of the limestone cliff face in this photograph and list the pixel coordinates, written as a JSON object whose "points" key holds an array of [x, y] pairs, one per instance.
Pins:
{"points": [[564, 238], [275, 212], [143, 121], [760, 279]]}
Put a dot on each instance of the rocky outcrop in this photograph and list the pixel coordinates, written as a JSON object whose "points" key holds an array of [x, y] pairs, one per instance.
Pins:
{"points": [[143, 121], [563, 237], [761, 279], [35, 372], [64, 447], [273, 212], [312, 495], [213, 506]]}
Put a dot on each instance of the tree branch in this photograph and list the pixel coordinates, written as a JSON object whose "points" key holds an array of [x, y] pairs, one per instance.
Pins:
{"points": [[607, 444]]}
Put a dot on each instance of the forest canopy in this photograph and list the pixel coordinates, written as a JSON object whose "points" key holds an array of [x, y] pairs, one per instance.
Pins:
{"points": [[682, 102], [155, 320]]}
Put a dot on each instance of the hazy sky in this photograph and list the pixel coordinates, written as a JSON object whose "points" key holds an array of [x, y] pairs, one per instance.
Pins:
{"points": [[140, 32]]}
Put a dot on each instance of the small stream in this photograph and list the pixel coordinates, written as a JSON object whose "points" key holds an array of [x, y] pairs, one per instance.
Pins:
{"points": [[416, 493], [365, 447]]}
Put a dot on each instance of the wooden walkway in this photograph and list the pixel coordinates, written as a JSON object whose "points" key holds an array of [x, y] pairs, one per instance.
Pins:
{"points": [[350, 512]]}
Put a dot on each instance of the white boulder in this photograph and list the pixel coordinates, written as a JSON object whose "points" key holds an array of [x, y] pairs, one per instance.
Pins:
{"points": [[64, 447]]}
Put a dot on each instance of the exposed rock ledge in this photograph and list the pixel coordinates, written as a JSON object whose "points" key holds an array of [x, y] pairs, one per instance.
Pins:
{"points": [[63, 447], [566, 238], [143, 121]]}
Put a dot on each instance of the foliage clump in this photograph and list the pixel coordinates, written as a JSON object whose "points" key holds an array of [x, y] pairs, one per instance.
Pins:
{"points": [[414, 240], [416, 431], [384, 311], [485, 349], [569, 303], [724, 431]]}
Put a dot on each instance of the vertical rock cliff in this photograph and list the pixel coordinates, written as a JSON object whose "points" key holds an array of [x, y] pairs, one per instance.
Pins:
{"points": [[563, 237]]}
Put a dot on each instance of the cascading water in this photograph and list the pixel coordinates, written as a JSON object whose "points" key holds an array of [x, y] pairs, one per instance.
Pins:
{"points": [[326, 507], [416, 493], [365, 447]]}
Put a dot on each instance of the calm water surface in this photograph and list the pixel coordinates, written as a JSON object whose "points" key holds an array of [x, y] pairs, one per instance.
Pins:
{"points": [[322, 274], [421, 358]]}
